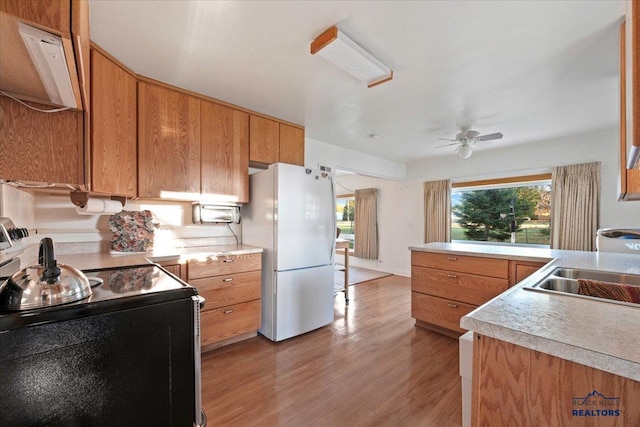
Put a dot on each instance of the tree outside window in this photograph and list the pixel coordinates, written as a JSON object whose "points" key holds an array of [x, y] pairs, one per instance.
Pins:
{"points": [[491, 215], [345, 217]]}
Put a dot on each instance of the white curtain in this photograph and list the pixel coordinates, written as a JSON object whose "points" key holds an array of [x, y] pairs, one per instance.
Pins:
{"points": [[366, 227], [437, 211], [575, 206]]}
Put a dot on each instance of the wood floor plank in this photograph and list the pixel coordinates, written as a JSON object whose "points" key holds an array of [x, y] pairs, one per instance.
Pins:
{"points": [[370, 367]]}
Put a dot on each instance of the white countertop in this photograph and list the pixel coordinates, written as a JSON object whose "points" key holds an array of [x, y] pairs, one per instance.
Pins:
{"points": [[600, 334]]}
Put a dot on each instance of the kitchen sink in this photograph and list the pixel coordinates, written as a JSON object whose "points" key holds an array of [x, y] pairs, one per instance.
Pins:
{"points": [[565, 281]]}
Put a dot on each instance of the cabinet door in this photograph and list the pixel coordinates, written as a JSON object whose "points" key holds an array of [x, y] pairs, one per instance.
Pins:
{"points": [[291, 145], [629, 179], [225, 152], [264, 140], [54, 14], [40, 147], [113, 128], [168, 143]]}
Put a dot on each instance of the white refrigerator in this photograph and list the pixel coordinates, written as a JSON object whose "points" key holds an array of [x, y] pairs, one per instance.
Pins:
{"points": [[291, 214]]}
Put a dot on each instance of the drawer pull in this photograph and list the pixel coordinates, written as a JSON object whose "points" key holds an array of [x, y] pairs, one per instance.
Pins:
{"points": [[452, 276], [452, 305], [228, 260], [228, 279], [452, 258], [228, 311]]}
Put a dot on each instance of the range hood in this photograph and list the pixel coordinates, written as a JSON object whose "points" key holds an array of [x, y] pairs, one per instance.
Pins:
{"points": [[37, 65], [47, 54]]}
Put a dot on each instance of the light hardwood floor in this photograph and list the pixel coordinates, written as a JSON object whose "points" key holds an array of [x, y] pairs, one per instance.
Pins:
{"points": [[370, 367]]}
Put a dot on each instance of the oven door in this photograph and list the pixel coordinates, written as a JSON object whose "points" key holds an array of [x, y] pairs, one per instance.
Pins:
{"points": [[125, 367]]}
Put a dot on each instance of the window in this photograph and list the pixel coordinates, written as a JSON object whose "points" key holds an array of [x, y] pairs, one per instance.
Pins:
{"points": [[513, 210], [345, 217]]}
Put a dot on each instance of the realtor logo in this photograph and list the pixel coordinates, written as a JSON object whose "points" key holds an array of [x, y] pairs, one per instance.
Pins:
{"points": [[595, 404]]}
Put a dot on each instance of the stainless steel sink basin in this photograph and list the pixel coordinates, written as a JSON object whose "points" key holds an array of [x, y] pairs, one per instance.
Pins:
{"points": [[603, 276], [565, 281]]}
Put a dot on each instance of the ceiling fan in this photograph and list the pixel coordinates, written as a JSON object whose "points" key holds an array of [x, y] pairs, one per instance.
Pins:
{"points": [[466, 139]]}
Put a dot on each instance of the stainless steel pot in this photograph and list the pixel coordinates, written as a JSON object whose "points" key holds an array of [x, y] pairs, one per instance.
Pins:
{"points": [[44, 285]]}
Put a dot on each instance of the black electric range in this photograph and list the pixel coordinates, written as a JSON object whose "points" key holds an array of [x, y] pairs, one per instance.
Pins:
{"points": [[127, 355]]}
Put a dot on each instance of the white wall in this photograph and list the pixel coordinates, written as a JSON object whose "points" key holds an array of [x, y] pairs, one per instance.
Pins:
{"points": [[320, 153], [401, 210], [53, 215], [392, 220], [600, 146]]}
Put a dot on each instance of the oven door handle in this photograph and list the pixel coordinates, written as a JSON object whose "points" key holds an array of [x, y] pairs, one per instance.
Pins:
{"points": [[198, 419]]}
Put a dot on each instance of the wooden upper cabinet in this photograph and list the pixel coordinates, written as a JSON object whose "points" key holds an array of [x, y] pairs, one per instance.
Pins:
{"points": [[225, 152], [68, 19], [291, 145], [264, 140], [81, 43], [40, 147], [168, 143], [113, 127], [629, 183], [53, 14]]}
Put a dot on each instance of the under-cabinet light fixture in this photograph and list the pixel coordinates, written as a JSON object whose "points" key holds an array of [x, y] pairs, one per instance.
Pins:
{"points": [[337, 48]]}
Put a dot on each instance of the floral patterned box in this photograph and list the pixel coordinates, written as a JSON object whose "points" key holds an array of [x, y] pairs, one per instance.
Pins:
{"points": [[132, 231]]}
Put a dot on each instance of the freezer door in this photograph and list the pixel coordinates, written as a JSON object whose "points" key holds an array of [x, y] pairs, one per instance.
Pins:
{"points": [[303, 301], [305, 218]]}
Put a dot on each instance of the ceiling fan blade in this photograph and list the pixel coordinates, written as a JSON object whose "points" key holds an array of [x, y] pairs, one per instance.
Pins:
{"points": [[446, 145], [447, 139], [489, 137]]}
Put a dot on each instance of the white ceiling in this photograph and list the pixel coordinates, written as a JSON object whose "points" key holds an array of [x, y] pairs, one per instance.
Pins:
{"points": [[533, 70]]}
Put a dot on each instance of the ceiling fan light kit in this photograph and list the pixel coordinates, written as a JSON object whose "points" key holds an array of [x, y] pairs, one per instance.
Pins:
{"points": [[466, 139], [334, 46], [465, 150]]}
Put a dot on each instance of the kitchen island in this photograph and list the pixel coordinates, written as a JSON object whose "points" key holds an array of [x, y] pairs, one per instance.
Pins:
{"points": [[529, 339]]}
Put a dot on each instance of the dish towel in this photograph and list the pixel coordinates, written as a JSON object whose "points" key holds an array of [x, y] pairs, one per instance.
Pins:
{"points": [[607, 290]]}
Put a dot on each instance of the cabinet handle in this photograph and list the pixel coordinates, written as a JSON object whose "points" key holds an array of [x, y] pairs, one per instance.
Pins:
{"points": [[228, 311], [228, 279], [452, 276], [452, 258], [452, 305], [228, 260]]}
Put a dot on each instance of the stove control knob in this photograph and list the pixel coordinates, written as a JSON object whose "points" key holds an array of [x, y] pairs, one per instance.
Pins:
{"points": [[18, 233]]}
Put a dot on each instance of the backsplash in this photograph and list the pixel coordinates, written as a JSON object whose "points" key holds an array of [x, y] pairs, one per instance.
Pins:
{"points": [[53, 215]]}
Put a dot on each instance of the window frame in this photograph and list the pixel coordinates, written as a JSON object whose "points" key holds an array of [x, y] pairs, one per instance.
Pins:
{"points": [[495, 183], [348, 236]]}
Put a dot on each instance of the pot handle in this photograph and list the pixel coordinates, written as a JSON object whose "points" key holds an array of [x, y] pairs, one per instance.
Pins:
{"points": [[46, 258]]}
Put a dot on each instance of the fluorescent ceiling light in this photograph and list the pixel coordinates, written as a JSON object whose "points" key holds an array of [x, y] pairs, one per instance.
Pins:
{"points": [[337, 48]]}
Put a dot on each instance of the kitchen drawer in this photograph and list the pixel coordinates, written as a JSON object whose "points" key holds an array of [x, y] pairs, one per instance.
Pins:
{"points": [[217, 266], [492, 267], [228, 289], [227, 322], [439, 311], [469, 288]]}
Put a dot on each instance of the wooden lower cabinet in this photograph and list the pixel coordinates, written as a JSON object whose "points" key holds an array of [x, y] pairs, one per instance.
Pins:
{"points": [[520, 270], [445, 313], [175, 268], [517, 386], [226, 323], [231, 286], [446, 287]]}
